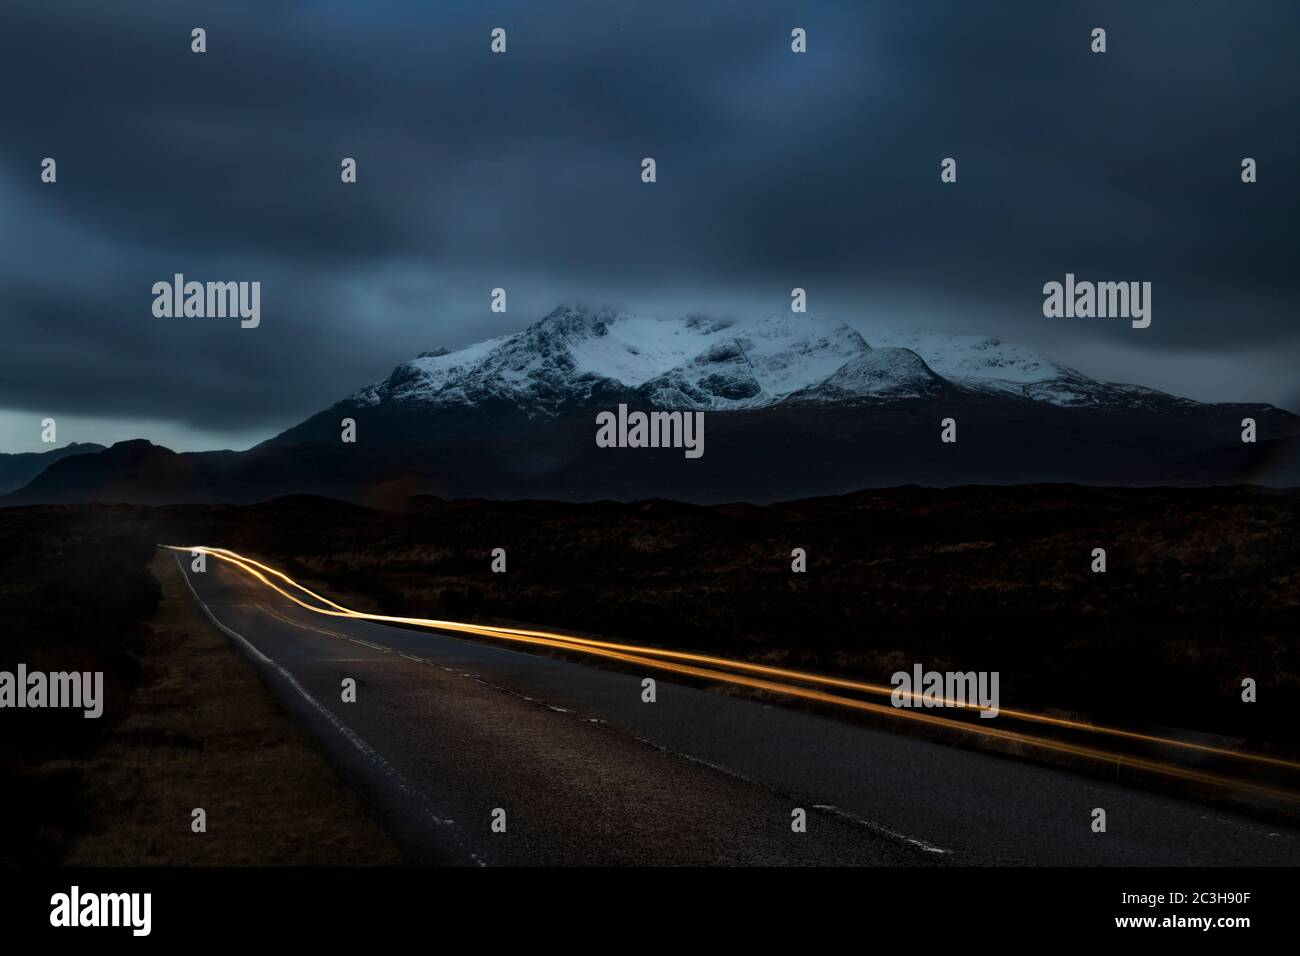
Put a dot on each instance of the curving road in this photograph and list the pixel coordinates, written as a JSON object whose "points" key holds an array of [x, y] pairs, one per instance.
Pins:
{"points": [[446, 731]]}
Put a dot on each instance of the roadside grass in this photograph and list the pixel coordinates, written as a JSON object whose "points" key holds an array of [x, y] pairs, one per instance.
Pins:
{"points": [[202, 730]]}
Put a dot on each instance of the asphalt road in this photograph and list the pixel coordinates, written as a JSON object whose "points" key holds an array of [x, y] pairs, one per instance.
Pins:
{"points": [[446, 731]]}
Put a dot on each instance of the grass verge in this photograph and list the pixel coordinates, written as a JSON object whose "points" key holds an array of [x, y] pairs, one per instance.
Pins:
{"points": [[202, 730]]}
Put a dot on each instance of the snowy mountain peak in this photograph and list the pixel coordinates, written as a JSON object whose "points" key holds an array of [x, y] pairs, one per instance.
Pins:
{"points": [[577, 354], [878, 373], [574, 320]]}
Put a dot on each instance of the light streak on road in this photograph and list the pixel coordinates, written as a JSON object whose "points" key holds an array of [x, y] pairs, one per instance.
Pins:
{"points": [[670, 660]]}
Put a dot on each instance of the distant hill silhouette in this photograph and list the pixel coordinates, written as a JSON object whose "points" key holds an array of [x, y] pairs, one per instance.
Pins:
{"points": [[17, 470]]}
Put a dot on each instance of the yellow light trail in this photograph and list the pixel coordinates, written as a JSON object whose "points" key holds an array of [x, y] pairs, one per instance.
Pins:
{"points": [[637, 654], [786, 673]]}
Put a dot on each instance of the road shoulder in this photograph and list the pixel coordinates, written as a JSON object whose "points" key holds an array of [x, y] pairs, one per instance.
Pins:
{"points": [[204, 731]]}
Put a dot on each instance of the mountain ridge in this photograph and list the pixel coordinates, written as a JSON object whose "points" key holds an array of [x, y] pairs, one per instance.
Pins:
{"points": [[16, 470], [794, 408], [578, 356]]}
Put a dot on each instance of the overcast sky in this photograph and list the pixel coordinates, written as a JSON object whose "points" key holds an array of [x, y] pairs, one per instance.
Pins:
{"points": [[523, 171]]}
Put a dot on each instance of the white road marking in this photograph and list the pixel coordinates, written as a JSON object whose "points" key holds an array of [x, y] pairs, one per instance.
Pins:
{"points": [[879, 828]]}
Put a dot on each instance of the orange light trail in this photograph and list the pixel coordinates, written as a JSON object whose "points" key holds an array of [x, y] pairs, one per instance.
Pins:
{"points": [[650, 657]]}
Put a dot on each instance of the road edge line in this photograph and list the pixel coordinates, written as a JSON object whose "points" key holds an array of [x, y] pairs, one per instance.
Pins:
{"points": [[395, 776]]}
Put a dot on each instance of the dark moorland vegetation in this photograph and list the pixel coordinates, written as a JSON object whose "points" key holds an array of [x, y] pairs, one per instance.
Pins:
{"points": [[74, 590], [1202, 589]]}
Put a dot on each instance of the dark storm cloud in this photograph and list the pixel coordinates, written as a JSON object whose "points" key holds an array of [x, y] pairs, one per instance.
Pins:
{"points": [[522, 170]]}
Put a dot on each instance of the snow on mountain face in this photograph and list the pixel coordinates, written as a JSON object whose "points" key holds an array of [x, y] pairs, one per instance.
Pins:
{"points": [[978, 360], [553, 364], [702, 362], [878, 373], [752, 365], [982, 364], [719, 377], [697, 362]]}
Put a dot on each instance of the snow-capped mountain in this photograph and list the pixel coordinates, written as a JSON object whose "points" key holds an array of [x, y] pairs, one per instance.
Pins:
{"points": [[795, 408], [575, 356]]}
